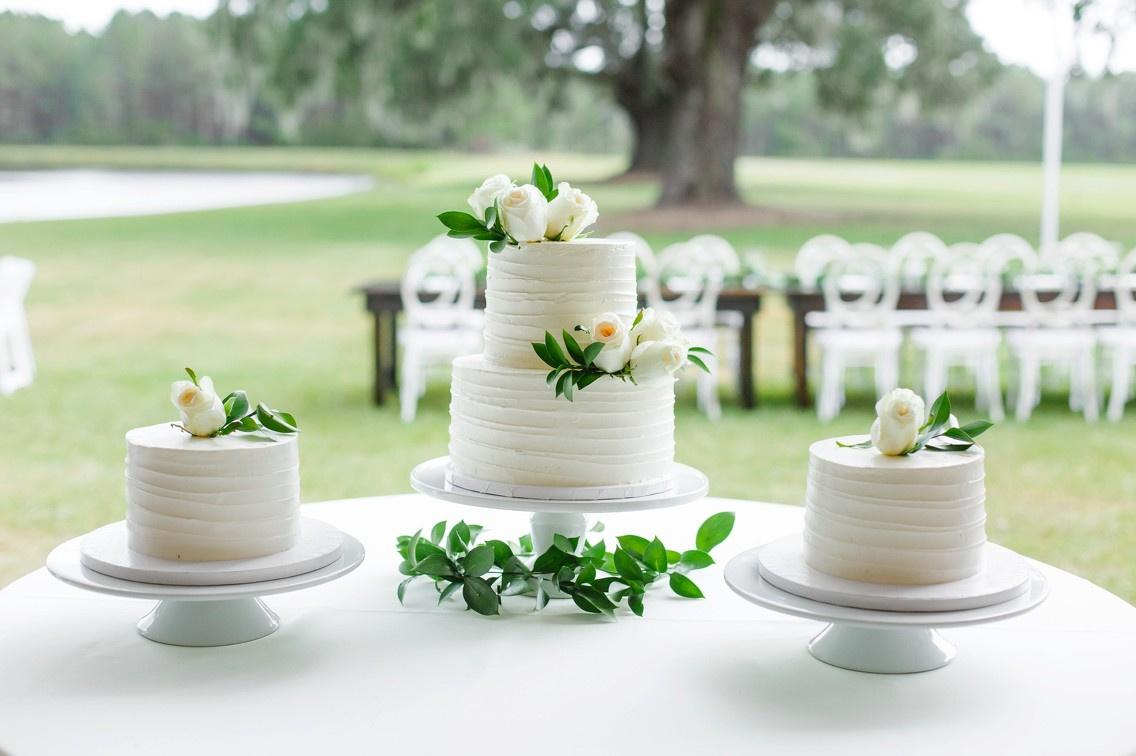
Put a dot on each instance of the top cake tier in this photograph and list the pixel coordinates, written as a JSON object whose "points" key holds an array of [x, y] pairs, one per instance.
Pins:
{"points": [[553, 286]]}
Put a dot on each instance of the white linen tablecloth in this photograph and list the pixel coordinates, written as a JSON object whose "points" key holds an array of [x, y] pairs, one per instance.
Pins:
{"points": [[351, 671]]}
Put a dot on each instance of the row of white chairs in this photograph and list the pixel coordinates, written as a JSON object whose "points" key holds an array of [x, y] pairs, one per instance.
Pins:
{"points": [[962, 326], [17, 363]]}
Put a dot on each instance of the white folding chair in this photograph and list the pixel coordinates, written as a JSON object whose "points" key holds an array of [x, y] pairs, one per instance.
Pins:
{"points": [[438, 291], [858, 329], [1120, 339], [1058, 294], [913, 256], [814, 257], [963, 293], [1104, 254], [695, 280], [17, 362]]}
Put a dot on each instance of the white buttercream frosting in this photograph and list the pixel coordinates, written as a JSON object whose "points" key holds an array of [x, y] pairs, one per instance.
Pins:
{"points": [[909, 520], [553, 286], [508, 426], [202, 499]]}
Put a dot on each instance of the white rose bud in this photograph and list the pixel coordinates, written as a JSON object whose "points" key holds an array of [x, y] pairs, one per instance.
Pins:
{"points": [[654, 361], [898, 417], [524, 213], [610, 330], [202, 412], [486, 195], [569, 213], [655, 325]]}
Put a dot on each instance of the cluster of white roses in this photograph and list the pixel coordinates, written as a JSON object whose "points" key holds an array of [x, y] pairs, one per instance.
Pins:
{"points": [[528, 216], [652, 349]]}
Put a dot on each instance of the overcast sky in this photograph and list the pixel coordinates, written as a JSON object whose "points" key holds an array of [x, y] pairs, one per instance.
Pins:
{"points": [[1018, 31]]}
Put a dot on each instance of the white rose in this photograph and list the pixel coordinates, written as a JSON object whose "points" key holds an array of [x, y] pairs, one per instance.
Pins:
{"points": [[202, 412], [486, 195], [610, 330], [569, 213], [657, 360], [898, 417], [656, 325], [524, 213]]}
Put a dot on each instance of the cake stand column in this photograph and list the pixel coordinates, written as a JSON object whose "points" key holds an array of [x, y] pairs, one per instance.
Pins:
{"points": [[545, 525], [885, 650], [208, 623]]}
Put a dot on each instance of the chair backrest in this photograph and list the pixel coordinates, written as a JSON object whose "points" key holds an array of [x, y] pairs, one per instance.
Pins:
{"points": [[814, 257], [963, 288], [914, 255], [439, 284], [1010, 255], [719, 250], [1059, 291], [694, 279], [1126, 288], [1104, 254], [648, 266], [861, 288]]}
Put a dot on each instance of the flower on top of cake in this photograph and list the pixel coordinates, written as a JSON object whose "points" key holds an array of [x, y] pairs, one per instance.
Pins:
{"points": [[505, 213], [902, 428], [204, 414], [649, 349]]}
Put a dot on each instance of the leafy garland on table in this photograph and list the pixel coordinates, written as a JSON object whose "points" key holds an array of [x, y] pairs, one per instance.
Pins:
{"points": [[597, 580], [938, 426]]}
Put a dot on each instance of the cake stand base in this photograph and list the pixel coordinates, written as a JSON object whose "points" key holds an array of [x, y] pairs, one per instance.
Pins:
{"points": [[882, 650], [208, 623]]}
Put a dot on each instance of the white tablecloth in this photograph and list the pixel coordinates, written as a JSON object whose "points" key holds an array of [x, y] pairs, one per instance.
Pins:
{"points": [[350, 671]]}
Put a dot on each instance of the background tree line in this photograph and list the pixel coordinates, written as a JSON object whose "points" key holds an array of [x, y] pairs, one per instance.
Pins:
{"points": [[491, 75]]}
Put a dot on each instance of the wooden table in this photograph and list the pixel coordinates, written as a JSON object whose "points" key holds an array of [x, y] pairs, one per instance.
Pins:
{"points": [[803, 301], [384, 301]]}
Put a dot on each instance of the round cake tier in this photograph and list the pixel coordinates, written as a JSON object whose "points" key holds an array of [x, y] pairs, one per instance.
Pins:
{"points": [[507, 426], [912, 520], [205, 499], [553, 287]]}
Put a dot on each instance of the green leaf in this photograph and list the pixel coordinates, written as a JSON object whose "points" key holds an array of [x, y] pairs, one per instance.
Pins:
{"points": [[568, 386], [941, 410], [597, 527], [553, 374], [699, 350], [697, 362], [497, 246], [627, 567], [479, 560], [554, 350], [587, 574], [456, 220], [684, 586], [573, 347], [564, 543], [564, 381], [480, 596], [958, 434], [638, 319], [459, 538], [192, 376], [490, 216], [288, 418], [673, 557], [438, 532], [448, 591], [655, 556], [948, 447], [401, 592], [977, 427], [550, 561], [634, 545], [591, 351], [542, 352], [592, 600], [696, 559], [435, 565], [412, 548], [861, 445], [272, 421], [714, 530], [236, 405], [635, 603], [526, 544], [587, 379]]}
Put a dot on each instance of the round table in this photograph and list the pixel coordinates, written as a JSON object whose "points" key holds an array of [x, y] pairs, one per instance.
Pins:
{"points": [[351, 671]]}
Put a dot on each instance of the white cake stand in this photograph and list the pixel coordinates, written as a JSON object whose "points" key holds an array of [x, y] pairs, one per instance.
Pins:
{"points": [[567, 516], [876, 640], [201, 615]]}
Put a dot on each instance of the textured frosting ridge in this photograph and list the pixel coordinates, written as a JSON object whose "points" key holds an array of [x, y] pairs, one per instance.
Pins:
{"points": [[203, 499], [507, 426], [913, 520], [553, 286]]}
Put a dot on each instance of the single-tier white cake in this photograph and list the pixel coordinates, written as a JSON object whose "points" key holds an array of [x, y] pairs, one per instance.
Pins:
{"points": [[917, 519], [206, 499], [508, 427]]}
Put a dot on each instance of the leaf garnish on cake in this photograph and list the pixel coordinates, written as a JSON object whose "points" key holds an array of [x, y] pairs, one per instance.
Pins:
{"points": [[504, 213], [653, 349], [206, 415], [897, 430]]}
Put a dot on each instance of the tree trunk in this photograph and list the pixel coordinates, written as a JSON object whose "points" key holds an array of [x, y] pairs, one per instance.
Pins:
{"points": [[706, 55], [640, 92]]}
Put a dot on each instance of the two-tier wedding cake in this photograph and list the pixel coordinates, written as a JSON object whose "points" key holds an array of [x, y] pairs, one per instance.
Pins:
{"points": [[574, 391], [222, 484], [907, 506]]}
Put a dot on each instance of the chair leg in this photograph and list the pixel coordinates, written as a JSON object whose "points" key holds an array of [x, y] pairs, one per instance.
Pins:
{"points": [[934, 375], [707, 391], [408, 385], [1028, 376], [887, 371], [1122, 361], [990, 386], [828, 398], [1086, 366]]}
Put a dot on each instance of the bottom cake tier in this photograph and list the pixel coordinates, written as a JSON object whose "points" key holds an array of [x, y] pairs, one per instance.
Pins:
{"points": [[507, 426]]}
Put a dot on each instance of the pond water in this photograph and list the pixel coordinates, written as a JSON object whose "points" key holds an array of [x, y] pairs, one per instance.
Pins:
{"points": [[68, 194]]}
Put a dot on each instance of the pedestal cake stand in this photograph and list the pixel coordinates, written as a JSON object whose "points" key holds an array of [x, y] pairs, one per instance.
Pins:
{"points": [[895, 640], [204, 603], [564, 516]]}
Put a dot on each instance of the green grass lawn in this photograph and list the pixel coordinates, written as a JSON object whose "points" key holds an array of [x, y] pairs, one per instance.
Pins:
{"points": [[262, 298]]}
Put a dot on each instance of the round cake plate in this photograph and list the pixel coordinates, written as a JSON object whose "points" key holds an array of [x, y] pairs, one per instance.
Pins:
{"points": [[201, 615], [105, 550], [872, 640]]}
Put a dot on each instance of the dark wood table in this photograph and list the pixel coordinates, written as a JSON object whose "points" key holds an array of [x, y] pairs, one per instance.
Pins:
{"points": [[803, 301], [384, 301]]}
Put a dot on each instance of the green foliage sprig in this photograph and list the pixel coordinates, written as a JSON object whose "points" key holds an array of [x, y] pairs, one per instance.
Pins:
{"points": [[597, 580], [573, 367], [240, 415], [938, 428]]}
